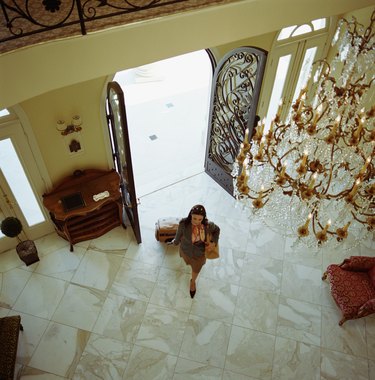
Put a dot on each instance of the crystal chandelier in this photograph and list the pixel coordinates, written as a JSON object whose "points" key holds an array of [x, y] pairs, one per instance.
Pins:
{"points": [[314, 174]]}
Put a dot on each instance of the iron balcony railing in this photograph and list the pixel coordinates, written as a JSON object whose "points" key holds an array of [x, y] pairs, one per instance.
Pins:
{"points": [[26, 22]]}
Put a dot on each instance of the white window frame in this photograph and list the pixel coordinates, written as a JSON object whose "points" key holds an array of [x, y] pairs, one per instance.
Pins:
{"points": [[296, 46]]}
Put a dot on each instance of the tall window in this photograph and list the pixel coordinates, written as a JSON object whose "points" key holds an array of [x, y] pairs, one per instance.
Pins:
{"points": [[21, 180], [289, 65]]}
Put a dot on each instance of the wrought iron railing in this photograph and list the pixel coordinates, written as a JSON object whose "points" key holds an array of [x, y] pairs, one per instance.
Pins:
{"points": [[25, 22]]}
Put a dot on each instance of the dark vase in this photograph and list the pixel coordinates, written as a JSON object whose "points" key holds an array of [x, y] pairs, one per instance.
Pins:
{"points": [[27, 252]]}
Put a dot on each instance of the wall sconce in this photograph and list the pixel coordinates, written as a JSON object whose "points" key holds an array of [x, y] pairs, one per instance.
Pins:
{"points": [[74, 126]]}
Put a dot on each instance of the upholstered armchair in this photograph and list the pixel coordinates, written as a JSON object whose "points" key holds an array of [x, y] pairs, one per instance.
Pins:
{"points": [[352, 286]]}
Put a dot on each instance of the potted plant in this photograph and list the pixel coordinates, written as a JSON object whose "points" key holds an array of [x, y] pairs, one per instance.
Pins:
{"points": [[26, 250]]}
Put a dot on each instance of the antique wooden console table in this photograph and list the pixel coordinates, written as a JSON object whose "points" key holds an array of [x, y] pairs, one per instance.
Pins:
{"points": [[85, 205]]}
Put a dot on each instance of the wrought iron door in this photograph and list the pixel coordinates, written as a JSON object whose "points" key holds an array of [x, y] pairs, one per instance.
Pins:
{"points": [[119, 135], [234, 99]]}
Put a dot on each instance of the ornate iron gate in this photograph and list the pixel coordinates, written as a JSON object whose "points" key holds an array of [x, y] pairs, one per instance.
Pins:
{"points": [[234, 99]]}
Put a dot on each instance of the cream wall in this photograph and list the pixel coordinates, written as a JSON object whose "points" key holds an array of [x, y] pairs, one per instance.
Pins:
{"points": [[60, 79], [43, 111], [36, 70]]}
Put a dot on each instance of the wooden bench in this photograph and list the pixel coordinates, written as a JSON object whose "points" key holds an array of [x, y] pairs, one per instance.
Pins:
{"points": [[9, 331]]}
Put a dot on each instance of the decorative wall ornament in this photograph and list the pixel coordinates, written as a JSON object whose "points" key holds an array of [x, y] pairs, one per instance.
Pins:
{"points": [[314, 175]]}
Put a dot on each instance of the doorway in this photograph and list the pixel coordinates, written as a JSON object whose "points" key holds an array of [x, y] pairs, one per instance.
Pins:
{"points": [[167, 107]]}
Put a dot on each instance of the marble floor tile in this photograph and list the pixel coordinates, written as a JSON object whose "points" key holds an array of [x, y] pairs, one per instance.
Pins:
{"points": [[301, 282], [120, 318], [148, 364], [162, 329], [61, 263], [256, 310], [326, 298], [228, 207], [337, 365], [135, 279], [189, 370], [103, 358], [114, 241], [368, 246], [233, 233], [371, 364], [266, 243], [80, 307], [150, 251], [297, 254], [215, 300], [295, 360], [348, 338], [172, 260], [50, 243], [28, 373], [12, 283], [335, 257], [299, 320], [97, 270], [4, 312], [60, 349], [29, 338], [41, 296], [113, 309], [227, 268], [205, 341], [10, 260], [262, 273], [172, 290], [370, 337], [250, 353], [229, 375]]}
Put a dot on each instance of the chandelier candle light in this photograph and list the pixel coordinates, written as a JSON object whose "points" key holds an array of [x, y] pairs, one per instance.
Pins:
{"points": [[314, 174]]}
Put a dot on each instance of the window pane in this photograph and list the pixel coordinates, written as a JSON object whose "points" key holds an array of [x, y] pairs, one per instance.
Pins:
{"points": [[17, 181], [319, 23], [4, 112], [305, 71], [286, 32], [292, 31], [281, 72], [302, 30]]}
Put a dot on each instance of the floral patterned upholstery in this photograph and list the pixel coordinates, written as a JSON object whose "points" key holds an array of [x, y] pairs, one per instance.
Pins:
{"points": [[352, 286]]}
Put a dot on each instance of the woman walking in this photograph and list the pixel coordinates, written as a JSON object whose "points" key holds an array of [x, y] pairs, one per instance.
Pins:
{"points": [[192, 236]]}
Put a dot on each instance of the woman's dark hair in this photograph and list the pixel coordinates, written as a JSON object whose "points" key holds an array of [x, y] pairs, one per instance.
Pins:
{"points": [[197, 210]]}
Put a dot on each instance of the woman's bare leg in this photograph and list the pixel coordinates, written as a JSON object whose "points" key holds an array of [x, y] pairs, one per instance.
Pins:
{"points": [[193, 278]]}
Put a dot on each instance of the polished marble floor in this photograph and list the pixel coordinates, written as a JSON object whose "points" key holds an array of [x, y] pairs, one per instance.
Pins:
{"points": [[113, 309]]}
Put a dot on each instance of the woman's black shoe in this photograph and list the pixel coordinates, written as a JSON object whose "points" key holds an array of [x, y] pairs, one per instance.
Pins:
{"points": [[192, 292]]}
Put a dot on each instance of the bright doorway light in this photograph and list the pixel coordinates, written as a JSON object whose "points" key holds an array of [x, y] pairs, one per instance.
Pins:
{"points": [[167, 104]]}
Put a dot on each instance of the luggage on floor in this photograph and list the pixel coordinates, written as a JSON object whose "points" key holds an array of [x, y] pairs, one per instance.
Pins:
{"points": [[166, 228]]}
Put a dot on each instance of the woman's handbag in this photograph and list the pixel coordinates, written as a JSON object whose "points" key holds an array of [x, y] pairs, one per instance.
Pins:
{"points": [[212, 249]]}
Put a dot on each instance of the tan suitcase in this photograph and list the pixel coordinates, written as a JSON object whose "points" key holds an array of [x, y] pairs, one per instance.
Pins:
{"points": [[166, 228]]}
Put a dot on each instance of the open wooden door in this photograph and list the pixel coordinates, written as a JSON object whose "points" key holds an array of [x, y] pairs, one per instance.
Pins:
{"points": [[234, 99], [119, 136]]}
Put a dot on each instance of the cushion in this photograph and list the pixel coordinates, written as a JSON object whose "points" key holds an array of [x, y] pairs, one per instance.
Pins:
{"points": [[350, 290], [358, 263], [371, 274]]}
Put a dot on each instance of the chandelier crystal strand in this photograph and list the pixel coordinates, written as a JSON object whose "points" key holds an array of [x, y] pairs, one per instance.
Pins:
{"points": [[314, 176]]}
